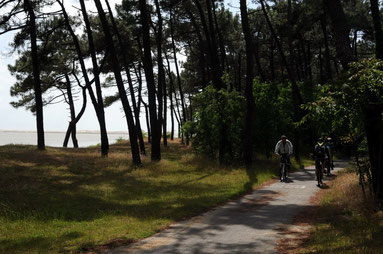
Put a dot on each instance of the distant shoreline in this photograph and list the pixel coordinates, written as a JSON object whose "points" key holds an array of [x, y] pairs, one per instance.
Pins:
{"points": [[78, 131]]}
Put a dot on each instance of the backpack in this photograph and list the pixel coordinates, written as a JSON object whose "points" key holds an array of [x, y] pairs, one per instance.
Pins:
{"points": [[320, 149]]}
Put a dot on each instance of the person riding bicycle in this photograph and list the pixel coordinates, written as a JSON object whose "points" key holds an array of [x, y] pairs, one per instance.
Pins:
{"points": [[330, 146], [284, 148], [320, 153]]}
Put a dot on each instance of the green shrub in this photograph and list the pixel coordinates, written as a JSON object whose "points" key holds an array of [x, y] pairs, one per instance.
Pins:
{"points": [[219, 118]]}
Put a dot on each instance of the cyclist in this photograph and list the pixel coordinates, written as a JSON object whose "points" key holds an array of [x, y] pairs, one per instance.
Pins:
{"points": [[320, 153], [284, 148], [330, 147]]}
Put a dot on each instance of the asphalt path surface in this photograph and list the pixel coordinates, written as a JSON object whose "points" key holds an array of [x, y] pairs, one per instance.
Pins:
{"points": [[252, 224]]}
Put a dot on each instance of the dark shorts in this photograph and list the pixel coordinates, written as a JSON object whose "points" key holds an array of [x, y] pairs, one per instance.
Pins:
{"points": [[287, 159], [319, 161]]}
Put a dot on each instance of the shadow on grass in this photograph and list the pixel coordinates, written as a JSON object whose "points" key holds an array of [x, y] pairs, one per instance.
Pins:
{"points": [[36, 244], [76, 185]]}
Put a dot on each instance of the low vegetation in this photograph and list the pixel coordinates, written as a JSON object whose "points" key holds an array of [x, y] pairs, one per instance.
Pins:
{"points": [[66, 200], [347, 222]]}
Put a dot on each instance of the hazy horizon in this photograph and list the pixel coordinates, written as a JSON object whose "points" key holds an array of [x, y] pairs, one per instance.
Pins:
{"points": [[56, 138]]}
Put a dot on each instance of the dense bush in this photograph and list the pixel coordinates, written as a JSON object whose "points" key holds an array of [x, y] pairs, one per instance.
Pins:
{"points": [[217, 113], [273, 115]]}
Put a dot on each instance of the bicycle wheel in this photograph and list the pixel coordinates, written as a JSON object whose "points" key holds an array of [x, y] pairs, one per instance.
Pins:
{"points": [[283, 172], [328, 168], [317, 173]]}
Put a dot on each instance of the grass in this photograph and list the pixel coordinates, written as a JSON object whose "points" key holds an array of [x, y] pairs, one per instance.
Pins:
{"points": [[67, 200], [346, 222]]}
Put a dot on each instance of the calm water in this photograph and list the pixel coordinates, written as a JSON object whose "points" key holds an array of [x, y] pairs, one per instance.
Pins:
{"points": [[57, 138]]}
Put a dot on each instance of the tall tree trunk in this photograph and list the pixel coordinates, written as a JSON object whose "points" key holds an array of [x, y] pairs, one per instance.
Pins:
{"points": [[373, 126], [373, 113], [321, 75], [327, 48], [100, 116], [130, 83], [239, 87], [271, 59], [177, 72], [120, 84], [36, 75], [377, 28], [250, 104], [100, 102], [216, 63], [201, 59], [291, 59], [212, 50], [147, 117], [161, 75], [171, 98], [258, 60], [72, 112], [341, 32], [165, 118], [179, 116], [296, 95], [298, 64], [148, 67], [309, 59], [220, 37]]}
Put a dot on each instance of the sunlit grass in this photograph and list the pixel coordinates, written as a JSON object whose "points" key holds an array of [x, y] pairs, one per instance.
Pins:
{"points": [[346, 222], [64, 200]]}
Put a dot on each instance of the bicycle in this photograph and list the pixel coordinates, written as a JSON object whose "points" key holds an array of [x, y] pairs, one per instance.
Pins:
{"points": [[283, 167], [327, 166], [319, 164]]}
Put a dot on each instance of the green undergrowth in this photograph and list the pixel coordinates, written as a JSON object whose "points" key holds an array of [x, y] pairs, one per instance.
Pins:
{"points": [[346, 223], [68, 200]]}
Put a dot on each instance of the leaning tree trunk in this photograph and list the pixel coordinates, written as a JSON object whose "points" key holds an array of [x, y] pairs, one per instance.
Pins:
{"points": [[72, 124], [72, 113], [177, 72], [98, 110], [100, 101], [36, 75], [120, 84], [130, 83], [341, 32], [211, 50]]}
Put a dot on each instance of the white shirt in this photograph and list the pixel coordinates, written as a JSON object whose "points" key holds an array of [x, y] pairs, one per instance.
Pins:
{"points": [[281, 148]]}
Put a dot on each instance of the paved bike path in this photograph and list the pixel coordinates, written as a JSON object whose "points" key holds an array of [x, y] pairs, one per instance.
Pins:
{"points": [[251, 224]]}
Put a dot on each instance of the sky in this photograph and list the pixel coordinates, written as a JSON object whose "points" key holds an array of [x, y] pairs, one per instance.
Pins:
{"points": [[56, 117]]}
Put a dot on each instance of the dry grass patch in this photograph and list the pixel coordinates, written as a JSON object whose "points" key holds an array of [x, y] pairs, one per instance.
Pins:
{"points": [[346, 222]]}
